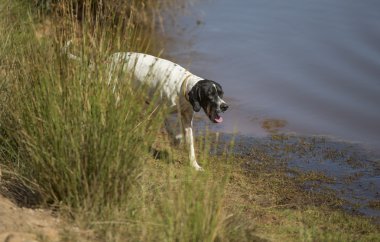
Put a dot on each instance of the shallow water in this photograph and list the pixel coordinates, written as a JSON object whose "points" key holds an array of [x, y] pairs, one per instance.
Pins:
{"points": [[352, 172], [313, 64], [303, 67]]}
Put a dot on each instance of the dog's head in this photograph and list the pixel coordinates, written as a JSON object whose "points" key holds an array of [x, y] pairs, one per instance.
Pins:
{"points": [[208, 95]]}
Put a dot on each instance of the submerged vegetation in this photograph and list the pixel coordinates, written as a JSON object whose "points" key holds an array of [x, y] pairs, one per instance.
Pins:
{"points": [[70, 144]]}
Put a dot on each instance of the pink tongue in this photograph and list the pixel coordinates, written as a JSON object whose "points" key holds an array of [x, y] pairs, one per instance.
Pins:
{"points": [[218, 119]]}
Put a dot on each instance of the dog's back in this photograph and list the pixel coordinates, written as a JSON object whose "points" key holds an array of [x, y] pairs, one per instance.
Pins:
{"points": [[152, 71]]}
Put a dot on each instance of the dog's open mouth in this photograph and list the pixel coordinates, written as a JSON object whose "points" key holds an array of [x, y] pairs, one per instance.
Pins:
{"points": [[215, 117], [218, 119]]}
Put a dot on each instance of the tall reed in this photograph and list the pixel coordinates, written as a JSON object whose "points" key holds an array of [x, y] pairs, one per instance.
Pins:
{"points": [[85, 147]]}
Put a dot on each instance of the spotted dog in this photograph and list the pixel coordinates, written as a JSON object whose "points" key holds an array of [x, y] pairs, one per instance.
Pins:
{"points": [[183, 91]]}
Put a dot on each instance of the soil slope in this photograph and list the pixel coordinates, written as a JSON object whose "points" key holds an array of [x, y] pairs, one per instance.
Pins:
{"points": [[25, 224]]}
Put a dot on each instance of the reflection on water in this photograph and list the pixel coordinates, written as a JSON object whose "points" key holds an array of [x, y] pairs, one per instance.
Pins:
{"points": [[315, 64]]}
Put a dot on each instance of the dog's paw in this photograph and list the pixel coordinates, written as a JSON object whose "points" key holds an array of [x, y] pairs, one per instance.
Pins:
{"points": [[197, 167], [178, 140]]}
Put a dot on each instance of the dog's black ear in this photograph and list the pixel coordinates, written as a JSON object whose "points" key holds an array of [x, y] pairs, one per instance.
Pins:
{"points": [[193, 99]]}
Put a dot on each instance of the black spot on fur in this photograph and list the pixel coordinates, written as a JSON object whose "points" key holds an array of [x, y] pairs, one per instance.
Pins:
{"points": [[194, 98]]}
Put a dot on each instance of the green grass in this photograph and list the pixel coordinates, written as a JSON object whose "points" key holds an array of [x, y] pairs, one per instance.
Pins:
{"points": [[84, 151]]}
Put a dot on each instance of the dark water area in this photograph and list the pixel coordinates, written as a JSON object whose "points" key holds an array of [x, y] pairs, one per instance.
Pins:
{"points": [[307, 69], [313, 64], [352, 173]]}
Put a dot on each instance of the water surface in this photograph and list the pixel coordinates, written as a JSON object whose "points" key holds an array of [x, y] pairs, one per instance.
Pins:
{"points": [[313, 64]]}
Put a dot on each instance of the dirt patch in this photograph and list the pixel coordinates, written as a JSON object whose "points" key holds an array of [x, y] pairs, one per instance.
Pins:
{"points": [[25, 224], [23, 219]]}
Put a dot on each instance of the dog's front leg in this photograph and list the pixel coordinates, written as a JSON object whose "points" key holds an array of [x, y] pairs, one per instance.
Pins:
{"points": [[188, 131]]}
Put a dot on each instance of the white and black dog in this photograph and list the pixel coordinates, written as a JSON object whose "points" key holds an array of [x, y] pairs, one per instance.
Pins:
{"points": [[183, 91]]}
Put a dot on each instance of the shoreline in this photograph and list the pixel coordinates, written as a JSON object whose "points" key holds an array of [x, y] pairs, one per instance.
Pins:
{"points": [[348, 169], [75, 153]]}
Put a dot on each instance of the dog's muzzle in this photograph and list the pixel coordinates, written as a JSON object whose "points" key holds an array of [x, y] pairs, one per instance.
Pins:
{"points": [[223, 107]]}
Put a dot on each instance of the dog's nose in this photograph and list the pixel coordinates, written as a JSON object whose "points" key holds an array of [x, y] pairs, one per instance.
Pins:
{"points": [[223, 107]]}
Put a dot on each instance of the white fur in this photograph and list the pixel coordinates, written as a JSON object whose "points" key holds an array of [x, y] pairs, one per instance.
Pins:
{"points": [[167, 78]]}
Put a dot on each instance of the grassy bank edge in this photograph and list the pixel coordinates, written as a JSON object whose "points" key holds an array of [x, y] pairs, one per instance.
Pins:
{"points": [[166, 200]]}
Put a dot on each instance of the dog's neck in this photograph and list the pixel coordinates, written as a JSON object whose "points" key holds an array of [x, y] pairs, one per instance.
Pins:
{"points": [[188, 83]]}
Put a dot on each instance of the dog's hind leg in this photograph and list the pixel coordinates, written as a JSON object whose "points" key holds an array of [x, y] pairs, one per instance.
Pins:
{"points": [[174, 132]]}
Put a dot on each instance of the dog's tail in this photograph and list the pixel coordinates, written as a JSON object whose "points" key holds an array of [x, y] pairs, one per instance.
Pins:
{"points": [[65, 51]]}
